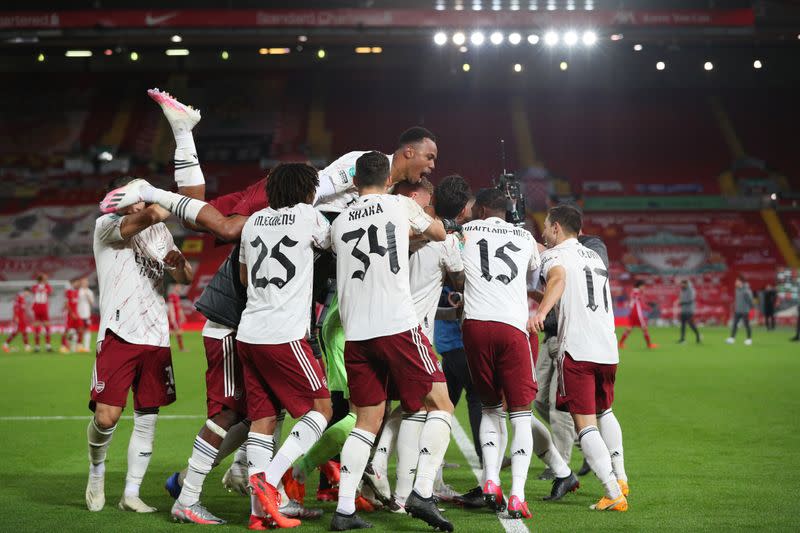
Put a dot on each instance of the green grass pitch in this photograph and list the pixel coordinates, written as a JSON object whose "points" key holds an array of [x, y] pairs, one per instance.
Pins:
{"points": [[711, 432]]}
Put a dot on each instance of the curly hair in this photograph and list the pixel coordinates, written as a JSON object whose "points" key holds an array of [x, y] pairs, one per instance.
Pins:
{"points": [[291, 183]]}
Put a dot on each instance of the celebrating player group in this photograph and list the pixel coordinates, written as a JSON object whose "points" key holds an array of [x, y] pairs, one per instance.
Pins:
{"points": [[325, 309]]}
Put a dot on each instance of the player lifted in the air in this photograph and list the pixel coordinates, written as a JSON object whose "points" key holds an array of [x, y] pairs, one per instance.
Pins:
{"points": [[132, 249]]}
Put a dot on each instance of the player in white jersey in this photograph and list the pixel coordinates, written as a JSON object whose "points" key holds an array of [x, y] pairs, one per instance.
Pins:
{"points": [[429, 262], [383, 339], [497, 256], [132, 250], [413, 160], [85, 304], [276, 261], [577, 283]]}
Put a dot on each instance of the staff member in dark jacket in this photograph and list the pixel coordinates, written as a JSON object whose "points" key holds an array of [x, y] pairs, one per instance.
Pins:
{"points": [[687, 302], [743, 304]]}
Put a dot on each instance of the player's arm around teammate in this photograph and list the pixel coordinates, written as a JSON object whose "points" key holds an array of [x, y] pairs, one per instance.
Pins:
{"points": [[132, 250]]}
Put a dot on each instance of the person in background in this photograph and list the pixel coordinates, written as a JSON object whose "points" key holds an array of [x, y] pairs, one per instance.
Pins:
{"points": [[796, 337], [638, 318], [20, 321], [769, 299], [176, 315], [85, 305], [448, 342], [743, 304], [687, 302]]}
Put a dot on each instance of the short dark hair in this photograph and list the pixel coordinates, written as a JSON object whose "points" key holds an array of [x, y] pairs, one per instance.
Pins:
{"points": [[493, 199], [568, 217], [372, 169], [289, 184], [415, 135], [119, 181], [450, 196], [741, 278], [638, 283]]}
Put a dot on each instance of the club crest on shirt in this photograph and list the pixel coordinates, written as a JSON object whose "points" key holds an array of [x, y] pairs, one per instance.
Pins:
{"points": [[99, 386]]}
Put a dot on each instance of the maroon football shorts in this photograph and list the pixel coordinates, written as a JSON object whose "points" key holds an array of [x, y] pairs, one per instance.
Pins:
{"points": [[586, 388], [224, 380], [121, 366], [500, 362], [406, 359], [281, 375]]}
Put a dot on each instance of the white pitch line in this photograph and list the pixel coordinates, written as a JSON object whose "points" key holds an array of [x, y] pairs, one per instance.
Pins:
{"points": [[511, 525], [87, 417]]}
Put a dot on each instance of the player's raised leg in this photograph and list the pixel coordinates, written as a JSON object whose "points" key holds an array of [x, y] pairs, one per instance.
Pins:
{"points": [[182, 119]]}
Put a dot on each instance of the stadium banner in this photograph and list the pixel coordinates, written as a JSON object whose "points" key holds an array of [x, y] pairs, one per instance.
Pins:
{"points": [[370, 18], [26, 268], [55, 230], [642, 203]]}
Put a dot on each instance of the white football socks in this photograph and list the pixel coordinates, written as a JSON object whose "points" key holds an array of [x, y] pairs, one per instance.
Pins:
{"points": [[200, 464], [181, 206], [304, 434], [433, 442], [408, 437], [492, 438], [187, 164], [355, 455], [140, 450], [611, 432], [259, 455], [386, 443], [99, 440], [596, 452], [544, 448], [521, 449]]}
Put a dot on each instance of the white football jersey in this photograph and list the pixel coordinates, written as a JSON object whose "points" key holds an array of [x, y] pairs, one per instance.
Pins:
{"points": [[214, 330], [278, 249], [130, 275], [429, 263], [340, 176], [370, 239], [497, 258], [85, 303], [585, 310]]}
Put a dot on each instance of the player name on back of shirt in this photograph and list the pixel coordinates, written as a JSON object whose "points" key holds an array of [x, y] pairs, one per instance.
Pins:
{"points": [[519, 232], [365, 212], [285, 219]]}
